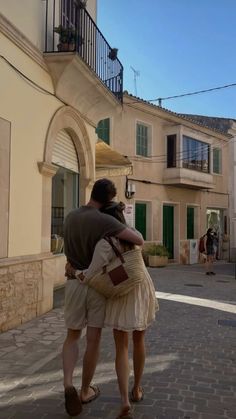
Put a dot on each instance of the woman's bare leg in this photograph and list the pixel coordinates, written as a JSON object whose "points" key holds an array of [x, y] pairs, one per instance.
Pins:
{"points": [[209, 263], [122, 365], [139, 353]]}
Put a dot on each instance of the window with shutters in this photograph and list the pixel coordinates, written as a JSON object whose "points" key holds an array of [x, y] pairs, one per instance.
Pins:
{"points": [[103, 130], [65, 187], [143, 140], [217, 160]]}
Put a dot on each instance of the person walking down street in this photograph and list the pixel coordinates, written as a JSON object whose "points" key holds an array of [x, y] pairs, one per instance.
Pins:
{"points": [[133, 312], [210, 252], [216, 246], [83, 228]]}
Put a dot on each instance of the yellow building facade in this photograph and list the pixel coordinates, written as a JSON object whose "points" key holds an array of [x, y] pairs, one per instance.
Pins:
{"points": [[179, 186], [53, 93]]}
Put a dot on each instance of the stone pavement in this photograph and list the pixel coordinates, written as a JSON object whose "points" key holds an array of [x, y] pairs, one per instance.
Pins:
{"points": [[191, 359]]}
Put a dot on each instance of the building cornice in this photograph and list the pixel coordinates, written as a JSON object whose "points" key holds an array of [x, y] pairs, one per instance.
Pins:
{"points": [[21, 41], [172, 117]]}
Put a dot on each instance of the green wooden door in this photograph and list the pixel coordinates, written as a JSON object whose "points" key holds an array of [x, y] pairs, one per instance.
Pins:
{"points": [[168, 229], [190, 223], [141, 218]]}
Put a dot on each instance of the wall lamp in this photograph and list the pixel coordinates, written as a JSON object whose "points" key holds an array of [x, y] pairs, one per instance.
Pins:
{"points": [[129, 189]]}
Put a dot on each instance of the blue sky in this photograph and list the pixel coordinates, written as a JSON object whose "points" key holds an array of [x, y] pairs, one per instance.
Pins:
{"points": [[179, 46]]}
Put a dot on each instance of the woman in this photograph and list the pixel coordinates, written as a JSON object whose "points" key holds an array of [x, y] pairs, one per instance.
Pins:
{"points": [[133, 312], [210, 251]]}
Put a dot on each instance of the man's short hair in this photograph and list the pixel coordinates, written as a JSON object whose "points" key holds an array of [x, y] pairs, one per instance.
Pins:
{"points": [[103, 191]]}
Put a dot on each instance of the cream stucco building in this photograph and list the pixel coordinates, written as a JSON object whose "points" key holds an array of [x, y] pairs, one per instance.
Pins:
{"points": [[179, 186], [59, 77]]}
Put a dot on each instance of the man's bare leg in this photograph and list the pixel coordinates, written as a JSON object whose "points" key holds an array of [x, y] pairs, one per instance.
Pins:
{"points": [[70, 353], [90, 360]]}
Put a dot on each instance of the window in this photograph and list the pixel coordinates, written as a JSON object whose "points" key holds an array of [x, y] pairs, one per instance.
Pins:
{"points": [[5, 148], [103, 130], [65, 186], [190, 223], [142, 140], [217, 159], [195, 154], [64, 199], [68, 8], [171, 150]]}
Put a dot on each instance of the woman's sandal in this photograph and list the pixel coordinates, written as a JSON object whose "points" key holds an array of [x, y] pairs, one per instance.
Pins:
{"points": [[134, 399], [126, 413]]}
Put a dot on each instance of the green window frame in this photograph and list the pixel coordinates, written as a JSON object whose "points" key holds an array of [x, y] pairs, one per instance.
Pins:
{"points": [[190, 223], [103, 130], [217, 159], [142, 140]]}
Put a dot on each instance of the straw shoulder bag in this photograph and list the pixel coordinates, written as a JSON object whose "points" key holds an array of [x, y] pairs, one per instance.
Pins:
{"points": [[121, 275]]}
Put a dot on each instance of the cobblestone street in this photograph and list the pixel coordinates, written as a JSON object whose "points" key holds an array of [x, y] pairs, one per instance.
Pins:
{"points": [[191, 356]]}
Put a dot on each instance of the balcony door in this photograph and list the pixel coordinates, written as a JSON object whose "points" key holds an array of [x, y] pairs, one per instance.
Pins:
{"points": [[168, 229]]}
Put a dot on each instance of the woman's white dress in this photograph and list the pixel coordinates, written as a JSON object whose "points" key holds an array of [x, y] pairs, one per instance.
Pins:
{"points": [[133, 311]]}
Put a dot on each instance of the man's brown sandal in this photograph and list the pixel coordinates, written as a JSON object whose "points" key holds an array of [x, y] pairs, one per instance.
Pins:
{"points": [[73, 404]]}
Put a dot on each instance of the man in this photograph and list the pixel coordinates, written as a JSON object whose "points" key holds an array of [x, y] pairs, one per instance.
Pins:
{"points": [[84, 227]]}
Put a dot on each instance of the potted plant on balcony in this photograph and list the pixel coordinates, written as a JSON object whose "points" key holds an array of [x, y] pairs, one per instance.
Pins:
{"points": [[67, 37], [157, 255], [113, 54]]}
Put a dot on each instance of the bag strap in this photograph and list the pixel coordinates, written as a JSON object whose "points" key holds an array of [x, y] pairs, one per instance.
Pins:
{"points": [[115, 249]]}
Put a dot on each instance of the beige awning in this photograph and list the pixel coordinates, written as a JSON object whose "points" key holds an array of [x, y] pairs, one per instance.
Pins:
{"points": [[108, 159]]}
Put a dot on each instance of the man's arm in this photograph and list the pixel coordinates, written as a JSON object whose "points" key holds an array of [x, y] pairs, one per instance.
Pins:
{"points": [[131, 236]]}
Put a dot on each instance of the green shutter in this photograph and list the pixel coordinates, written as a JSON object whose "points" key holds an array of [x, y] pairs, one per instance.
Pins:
{"points": [[142, 140], [190, 223], [103, 130], [168, 229], [140, 218], [216, 160]]}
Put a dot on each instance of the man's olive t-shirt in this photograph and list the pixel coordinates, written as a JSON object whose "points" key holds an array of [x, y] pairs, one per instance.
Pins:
{"points": [[83, 228]]}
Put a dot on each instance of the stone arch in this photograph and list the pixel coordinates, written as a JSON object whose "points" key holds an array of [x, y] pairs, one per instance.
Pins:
{"points": [[65, 118], [68, 119]]}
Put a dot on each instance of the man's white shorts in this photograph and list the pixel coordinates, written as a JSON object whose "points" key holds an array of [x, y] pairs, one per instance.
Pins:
{"points": [[83, 306]]}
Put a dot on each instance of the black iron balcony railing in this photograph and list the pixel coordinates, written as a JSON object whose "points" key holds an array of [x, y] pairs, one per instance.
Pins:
{"points": [[69, 27]]}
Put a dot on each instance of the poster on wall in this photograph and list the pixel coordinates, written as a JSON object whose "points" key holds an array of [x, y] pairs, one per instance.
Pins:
{"points": [[129, 214]]}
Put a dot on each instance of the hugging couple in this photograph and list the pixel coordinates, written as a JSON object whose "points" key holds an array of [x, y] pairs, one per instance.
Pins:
{"points": [[87, 253]]}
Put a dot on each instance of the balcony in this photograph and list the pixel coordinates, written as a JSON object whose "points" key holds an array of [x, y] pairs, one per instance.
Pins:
{"points": [[187, 178], [84, 68]]}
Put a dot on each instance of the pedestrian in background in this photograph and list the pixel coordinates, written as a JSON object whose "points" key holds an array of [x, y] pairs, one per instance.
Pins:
{"points": [[210, 252]]}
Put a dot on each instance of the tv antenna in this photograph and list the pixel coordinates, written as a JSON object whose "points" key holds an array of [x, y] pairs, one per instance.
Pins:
{"points": [[136, 74]]}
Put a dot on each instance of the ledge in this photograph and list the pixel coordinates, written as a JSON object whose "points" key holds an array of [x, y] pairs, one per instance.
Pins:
{"points": [[77, 85], [187, 178]]}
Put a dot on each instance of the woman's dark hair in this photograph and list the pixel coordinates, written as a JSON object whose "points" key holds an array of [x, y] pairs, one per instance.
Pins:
{"points": [[209, 231], [103, 191], [115, 209]]}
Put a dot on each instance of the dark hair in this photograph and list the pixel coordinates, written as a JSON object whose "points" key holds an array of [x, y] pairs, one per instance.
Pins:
{"points": [[115, 209], [103, 191], [209, 231]]}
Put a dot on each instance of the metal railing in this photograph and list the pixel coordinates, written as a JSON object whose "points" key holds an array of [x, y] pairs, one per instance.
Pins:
{"points": [[69, 27]]}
